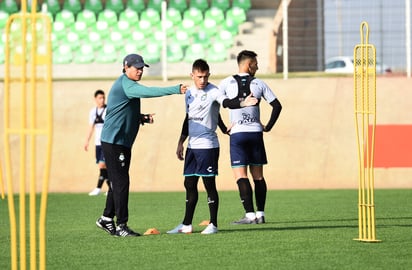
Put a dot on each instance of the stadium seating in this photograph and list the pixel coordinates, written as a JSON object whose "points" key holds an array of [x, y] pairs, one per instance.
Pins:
{"points": [[217, 52], [243, 4], [136, 5], [152, 53], [85, 54], [115, 5], [194, 51], [189, 25], [63, 54], [87, 16], [174, 53], [221, 4], [199, 4], [129, 15], [130, 48], [180, 5], [108, 16], [108, 54], [53, 6], [74, 6], [93, 5], [10, 6], [66, 17]]}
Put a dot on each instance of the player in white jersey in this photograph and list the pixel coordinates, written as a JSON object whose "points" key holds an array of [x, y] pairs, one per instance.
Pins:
{"points": [[96, 120], [247, 149], [202, 118]]}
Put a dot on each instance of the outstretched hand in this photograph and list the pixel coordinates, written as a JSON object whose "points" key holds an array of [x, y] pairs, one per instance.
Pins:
{"points": [[183, 88]]}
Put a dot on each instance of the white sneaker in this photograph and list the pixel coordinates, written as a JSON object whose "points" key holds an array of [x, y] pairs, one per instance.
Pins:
{"points": [[210, 229], [94, 192], [181, 229]]}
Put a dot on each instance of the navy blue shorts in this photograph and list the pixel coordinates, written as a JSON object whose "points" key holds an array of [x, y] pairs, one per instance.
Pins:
{"points": [[201, 162], [247, 148], [99, 154]]}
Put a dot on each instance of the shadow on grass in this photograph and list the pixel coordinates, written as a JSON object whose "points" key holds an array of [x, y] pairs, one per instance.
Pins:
{"points": [[277, 226]]}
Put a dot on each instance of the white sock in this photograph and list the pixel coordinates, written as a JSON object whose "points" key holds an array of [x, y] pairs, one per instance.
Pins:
{"points": [[251, 215], [260, 214], [106, 218]]}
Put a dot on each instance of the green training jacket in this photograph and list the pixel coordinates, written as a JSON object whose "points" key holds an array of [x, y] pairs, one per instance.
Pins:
{"points": [[121, 124]]}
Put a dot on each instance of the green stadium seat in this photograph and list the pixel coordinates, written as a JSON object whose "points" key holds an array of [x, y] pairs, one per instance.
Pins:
{"points": [[65, 16], [243, 4], [2, 54], [108, 54], [174, 53], [200, 4], [130, 48], [174, 15], [102, 27], [188, 25], [129, 15], [230, 25], [193, 14], [124, 27], [136, 5], [59, 29], [217, 52], [202, 37], [151, 53], [138, 39], [116, 38], [157, 37], [155, 4], [182, 38], [96, 6], [193, 52], [115, 5], [108, 16], [63, 54], [95, 39], [237, 14], [221, 4], [180, 5], [150, 14], [4, 16], [145, 27], [74, 6], [10, 6], [73, 39], [80, 28], [226, 37], [53, 6], [216, 14], [87, 16], [85, 54], [210, 26]]}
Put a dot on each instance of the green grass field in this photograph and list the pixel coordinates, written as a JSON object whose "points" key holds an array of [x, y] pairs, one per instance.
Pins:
{"points": [[311, 229]]}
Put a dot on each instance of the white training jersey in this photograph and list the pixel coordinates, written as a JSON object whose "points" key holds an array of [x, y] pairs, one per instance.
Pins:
{"points": [[202, 107], [98, 126], [246, 119]]}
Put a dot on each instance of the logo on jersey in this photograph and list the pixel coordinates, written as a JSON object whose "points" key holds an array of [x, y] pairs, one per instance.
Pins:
{"points": [[247, 119], [209, 169]]}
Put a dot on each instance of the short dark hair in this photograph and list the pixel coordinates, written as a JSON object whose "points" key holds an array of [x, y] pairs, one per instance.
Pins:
{"points": [[98, 92], [201, 65], [245, 54]]}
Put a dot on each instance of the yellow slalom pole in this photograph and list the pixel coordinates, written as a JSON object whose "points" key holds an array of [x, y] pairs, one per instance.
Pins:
{"points": [[1, 182], [365, 123], [27, 117]]}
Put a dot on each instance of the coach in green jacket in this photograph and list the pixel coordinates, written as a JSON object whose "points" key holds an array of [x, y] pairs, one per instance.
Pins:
{"points": [[123, 118]]}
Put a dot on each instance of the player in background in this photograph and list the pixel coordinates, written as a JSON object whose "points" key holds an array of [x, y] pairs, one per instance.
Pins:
{"points": [[247, 149], [119, 132], [96, 120], [202, 102]]}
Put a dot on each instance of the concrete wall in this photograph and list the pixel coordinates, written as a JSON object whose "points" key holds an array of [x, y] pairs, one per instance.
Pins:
{"points": [[313, 144]]}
